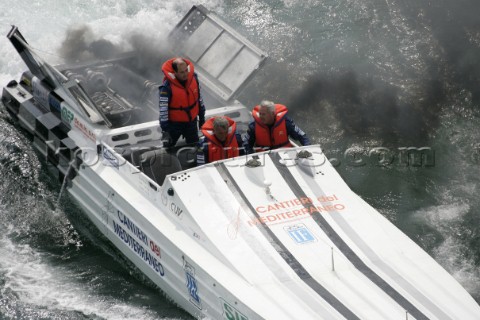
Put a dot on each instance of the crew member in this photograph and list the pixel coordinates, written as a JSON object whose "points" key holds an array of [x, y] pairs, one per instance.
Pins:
{"points": [[180, 102], [220, 140], [272, 129]]}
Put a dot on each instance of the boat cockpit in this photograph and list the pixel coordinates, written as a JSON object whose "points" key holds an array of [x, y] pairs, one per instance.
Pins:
{"points": [[115, 102]]}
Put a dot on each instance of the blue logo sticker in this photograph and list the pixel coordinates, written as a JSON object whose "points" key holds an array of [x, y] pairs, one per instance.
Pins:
{"points": [[192, 285], [54, 102], [300, 233]]}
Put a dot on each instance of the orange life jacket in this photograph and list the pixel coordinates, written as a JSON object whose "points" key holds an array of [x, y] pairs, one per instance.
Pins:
{"points": [[216, 149], [275, 136], [183, 105]]}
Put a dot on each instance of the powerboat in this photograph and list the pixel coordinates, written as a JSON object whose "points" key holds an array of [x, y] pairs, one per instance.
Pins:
{"points": [[271, 235]]}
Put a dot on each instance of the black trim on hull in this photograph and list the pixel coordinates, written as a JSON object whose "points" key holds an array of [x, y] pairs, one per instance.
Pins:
{"points": [[343, 247], [48, 133], [285, 253]]}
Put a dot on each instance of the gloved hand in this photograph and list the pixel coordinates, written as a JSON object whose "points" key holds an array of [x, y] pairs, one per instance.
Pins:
{"points": [[166, 139], [201, 122]]}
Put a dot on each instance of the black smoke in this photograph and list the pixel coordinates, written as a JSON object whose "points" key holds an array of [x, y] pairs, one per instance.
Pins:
{"points": [[365, 106], [349, 92], [455, 27], [82, 45], [133, 70]]}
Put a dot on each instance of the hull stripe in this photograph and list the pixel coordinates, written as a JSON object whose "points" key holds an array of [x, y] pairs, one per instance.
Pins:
{"points": [[343, 247], [285, 253]]}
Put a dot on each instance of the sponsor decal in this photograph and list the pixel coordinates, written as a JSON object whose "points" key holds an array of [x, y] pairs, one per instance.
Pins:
{"points": [[123, 230], [196, 235], [175, 209], [192, 284], [300, 233], [294, 209], [26, 81], [230, 312], [109, 158], [40, 94], [85, 130], [54, 102], [132, 227], [155, 248], [67, 115]]}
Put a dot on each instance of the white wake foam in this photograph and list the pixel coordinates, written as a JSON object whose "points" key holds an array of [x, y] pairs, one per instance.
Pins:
{"points": [[43, 286]]}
